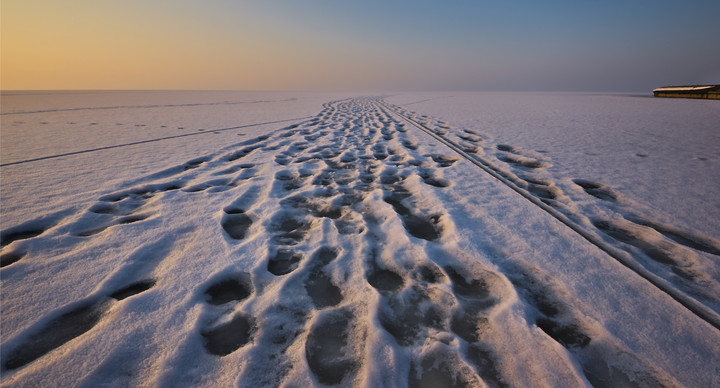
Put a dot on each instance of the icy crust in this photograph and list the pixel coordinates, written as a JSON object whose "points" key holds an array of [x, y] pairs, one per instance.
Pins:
{"points": [[343, 250]]}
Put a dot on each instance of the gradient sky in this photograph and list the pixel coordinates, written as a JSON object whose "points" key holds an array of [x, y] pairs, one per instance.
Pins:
{"points": [[554, 45]]}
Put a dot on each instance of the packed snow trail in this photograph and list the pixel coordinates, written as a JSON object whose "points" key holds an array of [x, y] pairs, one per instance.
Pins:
{"points": [[344, 250]]}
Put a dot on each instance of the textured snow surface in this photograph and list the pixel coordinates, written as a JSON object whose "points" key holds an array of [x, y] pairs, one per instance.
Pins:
{"points": [[426, 239]]}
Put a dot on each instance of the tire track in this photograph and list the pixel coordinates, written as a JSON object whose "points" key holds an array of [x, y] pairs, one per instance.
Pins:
{"points": [[143, 106], [335, 247], [148, 141], [624, 258]]}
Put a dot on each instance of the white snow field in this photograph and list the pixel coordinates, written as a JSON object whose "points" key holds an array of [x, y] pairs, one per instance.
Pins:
{"points": [[183, 239]]}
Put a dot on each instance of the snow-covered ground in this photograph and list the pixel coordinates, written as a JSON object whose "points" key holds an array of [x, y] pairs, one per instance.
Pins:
{"points": [[309, 239]]}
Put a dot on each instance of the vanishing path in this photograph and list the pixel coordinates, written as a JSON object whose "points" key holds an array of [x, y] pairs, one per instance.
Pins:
{"points": [[351, 249]]}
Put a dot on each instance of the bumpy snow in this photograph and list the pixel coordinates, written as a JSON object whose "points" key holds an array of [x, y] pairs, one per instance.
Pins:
{"points": [[314, 239]]}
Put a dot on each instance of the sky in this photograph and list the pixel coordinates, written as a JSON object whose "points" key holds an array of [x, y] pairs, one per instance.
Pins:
{"points": [[486, 45]]}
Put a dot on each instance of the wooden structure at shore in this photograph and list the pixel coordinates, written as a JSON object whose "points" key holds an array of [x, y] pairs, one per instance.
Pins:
{"points": [[711, 92]]}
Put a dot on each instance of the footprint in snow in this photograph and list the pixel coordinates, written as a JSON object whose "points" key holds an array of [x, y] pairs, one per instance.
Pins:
{"points": [[328, 348], [229, 336], [471, 138], [689, 239], [426, 227], [554, 317], [120, 208], [11, 257], [319, 285], [598, 190], [236, 223], [290, 227], [215, 185], [283, 261], [65, 326], [522, 161], [444, 160], [29, 229], [441, 367]]}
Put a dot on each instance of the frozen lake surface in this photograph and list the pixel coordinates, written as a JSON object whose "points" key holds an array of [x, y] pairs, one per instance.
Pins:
{"points": [[313, 239]]}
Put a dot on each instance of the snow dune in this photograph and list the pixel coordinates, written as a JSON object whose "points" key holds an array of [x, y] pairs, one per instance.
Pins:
{"points": [[349, 247]]}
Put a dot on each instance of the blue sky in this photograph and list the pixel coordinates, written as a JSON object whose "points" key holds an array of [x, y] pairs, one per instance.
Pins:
{"points": [[371, 44]]}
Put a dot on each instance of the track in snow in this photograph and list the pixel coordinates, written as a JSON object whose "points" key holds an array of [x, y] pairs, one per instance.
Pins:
{"points": [[204, 132], [667, 255], [357, 282]]}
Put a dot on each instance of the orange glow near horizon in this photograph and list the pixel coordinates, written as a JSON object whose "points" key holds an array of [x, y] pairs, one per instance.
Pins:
{"points": [[343, 45], [103, 45]]}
